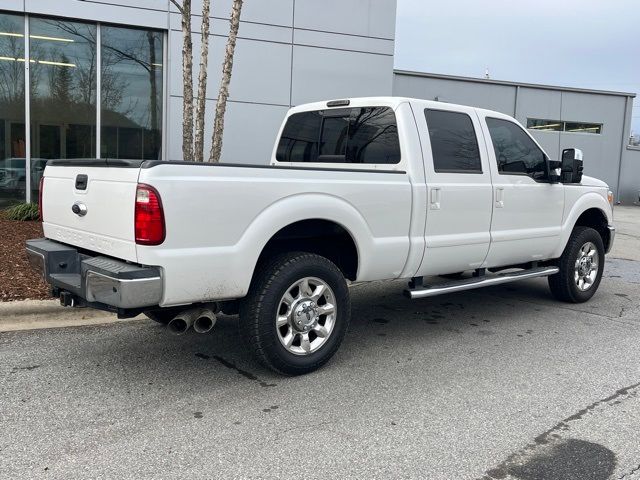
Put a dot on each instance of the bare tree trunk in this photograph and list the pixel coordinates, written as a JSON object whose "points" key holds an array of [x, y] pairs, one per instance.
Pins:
{"points": [[223, 95], [201, 100], [187, 79], [153, 93]]}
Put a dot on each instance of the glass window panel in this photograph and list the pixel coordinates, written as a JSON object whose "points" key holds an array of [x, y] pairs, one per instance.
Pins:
{"points": [[131, 93], [516, 153], [353, 135], [333, 140], [12, 132], [373, 136], [544, 125], [299, 139], [453, 142], [63, 91], [577, 127]]}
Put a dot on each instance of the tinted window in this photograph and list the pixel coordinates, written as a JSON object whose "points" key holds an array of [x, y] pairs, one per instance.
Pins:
{"points": [[333, 139], [515, 152], [355, 135], [453, 142]]}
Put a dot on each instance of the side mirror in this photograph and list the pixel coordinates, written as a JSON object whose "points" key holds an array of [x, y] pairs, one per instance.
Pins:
{"points": [[572, 165]]}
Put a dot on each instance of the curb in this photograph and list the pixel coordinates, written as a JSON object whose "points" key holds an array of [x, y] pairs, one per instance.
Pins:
{"points": [[29, 307], [39, 314]]}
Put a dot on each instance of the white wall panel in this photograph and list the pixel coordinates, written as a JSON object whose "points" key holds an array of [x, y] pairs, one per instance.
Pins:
{"points": [[343, 42], [320, 74], [15, 5], [247, 30], [261, 70], [272, 12], [369, 18], [100, 12], [250, 131]]}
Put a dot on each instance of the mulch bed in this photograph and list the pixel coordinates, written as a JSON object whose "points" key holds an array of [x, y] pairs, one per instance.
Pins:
{"points": [[18, 281]]}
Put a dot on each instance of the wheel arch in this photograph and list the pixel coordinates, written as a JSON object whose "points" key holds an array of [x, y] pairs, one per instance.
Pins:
{"points": [[327, 238], [292, 223], [591, 210]]}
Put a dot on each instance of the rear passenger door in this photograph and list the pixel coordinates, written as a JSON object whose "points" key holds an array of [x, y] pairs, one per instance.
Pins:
{"points": [[459, 191]]}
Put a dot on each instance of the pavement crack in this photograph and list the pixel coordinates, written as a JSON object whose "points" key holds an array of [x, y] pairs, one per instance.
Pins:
{"points": [[233, 366], [615, 319], [631, 472], [502, 469]]}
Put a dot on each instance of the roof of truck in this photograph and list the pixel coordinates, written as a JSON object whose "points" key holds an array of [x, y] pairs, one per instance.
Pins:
{"points": [[392, 102]]}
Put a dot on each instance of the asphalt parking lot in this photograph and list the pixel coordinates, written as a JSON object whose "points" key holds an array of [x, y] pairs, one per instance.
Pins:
{"points": [[501, 383]]}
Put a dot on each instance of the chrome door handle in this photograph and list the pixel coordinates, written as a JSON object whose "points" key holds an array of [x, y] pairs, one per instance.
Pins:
{"points": [[499, 197], [434, 198]]}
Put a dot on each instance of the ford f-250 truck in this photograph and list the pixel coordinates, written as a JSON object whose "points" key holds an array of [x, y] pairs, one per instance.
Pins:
{"points": [[357, 190]]}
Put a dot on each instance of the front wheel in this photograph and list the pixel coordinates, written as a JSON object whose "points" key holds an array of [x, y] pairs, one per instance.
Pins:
{"points": [[581, 267], [296, 313]]}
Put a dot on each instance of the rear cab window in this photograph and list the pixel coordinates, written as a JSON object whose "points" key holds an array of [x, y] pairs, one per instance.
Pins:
{"points": [[358, 135]]}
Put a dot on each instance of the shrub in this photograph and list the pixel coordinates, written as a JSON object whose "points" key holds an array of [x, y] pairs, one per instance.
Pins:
{"points": [[23, 212]]}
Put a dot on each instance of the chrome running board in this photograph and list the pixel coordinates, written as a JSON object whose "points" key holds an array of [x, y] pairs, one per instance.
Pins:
{"points": [[478, 282]]}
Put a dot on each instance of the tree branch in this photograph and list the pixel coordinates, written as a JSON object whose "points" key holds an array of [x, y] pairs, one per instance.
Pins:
{"points": [[177, 5]]}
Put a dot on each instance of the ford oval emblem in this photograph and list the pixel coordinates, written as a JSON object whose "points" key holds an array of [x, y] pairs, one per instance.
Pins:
{"points": [[79, 209]]}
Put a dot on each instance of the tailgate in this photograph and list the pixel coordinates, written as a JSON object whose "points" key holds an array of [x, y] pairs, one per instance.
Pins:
{"points": [[104, 195]]}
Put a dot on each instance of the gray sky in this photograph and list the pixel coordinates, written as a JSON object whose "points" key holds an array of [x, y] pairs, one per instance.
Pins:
{"points": [[579, 43]]}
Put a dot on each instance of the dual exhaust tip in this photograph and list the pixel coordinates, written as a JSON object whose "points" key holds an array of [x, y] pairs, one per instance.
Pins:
{"points": [[201, 319]]}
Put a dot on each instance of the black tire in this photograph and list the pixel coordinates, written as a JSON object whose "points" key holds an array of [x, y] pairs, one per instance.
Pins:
{"points": [[259, 310], [563, 285], [163, 315]]}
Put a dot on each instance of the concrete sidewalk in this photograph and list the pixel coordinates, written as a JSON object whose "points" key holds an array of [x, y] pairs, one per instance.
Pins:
{"points": [[627, 242], [37, 314]]}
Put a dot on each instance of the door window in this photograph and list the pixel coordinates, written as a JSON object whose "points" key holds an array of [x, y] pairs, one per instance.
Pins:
{"points": [[453, 142], [516, 153]]}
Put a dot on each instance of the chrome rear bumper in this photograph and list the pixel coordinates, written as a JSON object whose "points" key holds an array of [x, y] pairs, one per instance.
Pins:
{"points": [[94, 281]]}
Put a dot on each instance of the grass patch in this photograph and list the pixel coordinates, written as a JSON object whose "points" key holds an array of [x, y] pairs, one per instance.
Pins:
{"points": [[23, 212]]}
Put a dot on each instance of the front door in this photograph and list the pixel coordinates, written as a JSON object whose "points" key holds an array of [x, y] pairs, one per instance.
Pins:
{"points": [[527, 208], [459, 194]]}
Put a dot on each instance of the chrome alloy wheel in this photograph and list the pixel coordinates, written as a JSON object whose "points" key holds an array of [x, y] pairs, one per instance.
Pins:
{"points": [[586, 268], [306, 316]]}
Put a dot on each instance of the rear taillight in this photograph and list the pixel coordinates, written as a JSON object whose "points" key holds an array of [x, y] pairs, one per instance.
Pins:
{"points": [[149, 217], [40, 188]]}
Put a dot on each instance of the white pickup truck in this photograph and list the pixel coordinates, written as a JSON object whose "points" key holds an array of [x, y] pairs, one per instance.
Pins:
{"points": [[357, 190]]}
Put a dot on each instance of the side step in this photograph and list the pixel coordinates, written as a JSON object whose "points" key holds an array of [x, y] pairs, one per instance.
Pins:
{"points": [[478, 282]]}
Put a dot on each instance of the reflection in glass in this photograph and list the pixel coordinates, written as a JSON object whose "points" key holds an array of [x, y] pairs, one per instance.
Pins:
{"points": [[131, 93], [351, 135], [12, 133], [63, 92]]}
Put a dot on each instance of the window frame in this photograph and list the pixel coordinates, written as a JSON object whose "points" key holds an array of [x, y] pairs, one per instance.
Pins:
{"points": [[524, 130], [453, 170]]}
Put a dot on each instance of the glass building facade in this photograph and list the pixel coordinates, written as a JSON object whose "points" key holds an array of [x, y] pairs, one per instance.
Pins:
{"points": [[87, 90]]}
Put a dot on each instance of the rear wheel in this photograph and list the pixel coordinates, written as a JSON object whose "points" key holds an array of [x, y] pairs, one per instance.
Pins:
{"points": [[581, 267], [296, 313]]}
